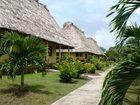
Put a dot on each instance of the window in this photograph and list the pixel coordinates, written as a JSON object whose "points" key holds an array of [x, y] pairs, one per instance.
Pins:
{"points": [[86, 55], [50, 51], [79, 54], [57, 54]]}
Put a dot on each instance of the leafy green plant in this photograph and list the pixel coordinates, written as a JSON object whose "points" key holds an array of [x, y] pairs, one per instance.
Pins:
{"points": [[122, 11], [96, 62], [23, 52], [90, 68], [113, 54], [53, 66], [100, 65], [70, 68], [93, 59], [79, 68], [119, 80], [93, 69], [67, 58], [67, 71]]}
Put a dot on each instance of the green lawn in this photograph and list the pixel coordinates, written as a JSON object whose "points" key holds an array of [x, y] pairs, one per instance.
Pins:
{"points": [[41, 90]]}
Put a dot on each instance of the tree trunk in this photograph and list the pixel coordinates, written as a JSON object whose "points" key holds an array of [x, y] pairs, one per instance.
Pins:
{"points": [[22, 79], [0, 75]]}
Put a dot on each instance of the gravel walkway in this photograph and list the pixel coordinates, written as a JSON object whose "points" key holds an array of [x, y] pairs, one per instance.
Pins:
{"points": [[88, 94]]}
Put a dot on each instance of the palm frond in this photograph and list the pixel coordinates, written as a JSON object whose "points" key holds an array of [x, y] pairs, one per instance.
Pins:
{"points": [[118, 81], [122, 11], [131, 32]]}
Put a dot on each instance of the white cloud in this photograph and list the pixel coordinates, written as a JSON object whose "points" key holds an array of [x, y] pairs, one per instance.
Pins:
{"points": [[104, 38]]}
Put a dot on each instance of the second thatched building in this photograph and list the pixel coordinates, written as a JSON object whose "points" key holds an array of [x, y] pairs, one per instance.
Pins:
{"points": [[83, 46]]}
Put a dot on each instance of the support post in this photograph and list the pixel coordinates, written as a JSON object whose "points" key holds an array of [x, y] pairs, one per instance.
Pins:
{"points": [[68, 51], [47, 57], [59, 53]]}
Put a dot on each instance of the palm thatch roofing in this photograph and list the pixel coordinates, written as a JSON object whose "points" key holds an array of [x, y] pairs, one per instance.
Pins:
{"points": [[94, 46], [32, 18], [79, 40]]}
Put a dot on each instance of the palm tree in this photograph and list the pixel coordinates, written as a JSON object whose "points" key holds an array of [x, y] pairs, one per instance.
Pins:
{"points": [[122, 83], [122, 11], [23, 52], [120, 80]]}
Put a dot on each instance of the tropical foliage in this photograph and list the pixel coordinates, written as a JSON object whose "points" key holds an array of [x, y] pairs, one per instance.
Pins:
{"points": [[71, 68], [122, 84], [122, 11], [98, 63], [22, 52], [113, 54], [119, 80], [79, 68], [67, 70], [89, 68]]}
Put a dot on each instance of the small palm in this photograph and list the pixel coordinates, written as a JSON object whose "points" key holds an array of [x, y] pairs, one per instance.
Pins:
{"points": [[23, 52]]}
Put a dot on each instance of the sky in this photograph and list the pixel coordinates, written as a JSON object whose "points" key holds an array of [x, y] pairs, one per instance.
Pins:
{"points": [[88, 15]]}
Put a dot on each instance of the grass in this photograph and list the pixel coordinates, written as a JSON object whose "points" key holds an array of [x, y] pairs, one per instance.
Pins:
{"points": [[40, 91]]}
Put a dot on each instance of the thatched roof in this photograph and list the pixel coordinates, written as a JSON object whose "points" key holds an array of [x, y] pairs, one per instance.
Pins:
{"points": [[94, 46], [31, 17], [76, 36], [79, 40]]}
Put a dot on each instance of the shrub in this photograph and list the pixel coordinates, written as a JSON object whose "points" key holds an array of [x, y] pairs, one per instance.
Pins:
{"points": [[55, 66], [97, 62], [67, 71], [79, 68], [67, 58], [70, 68], [99, 65], [93, 69], [90, 68], [52, 66], [93, 59]]}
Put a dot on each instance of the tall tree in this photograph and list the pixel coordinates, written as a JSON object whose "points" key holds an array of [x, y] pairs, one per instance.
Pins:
{"points": [[22, 52], [113, 54], [103, 49]]}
